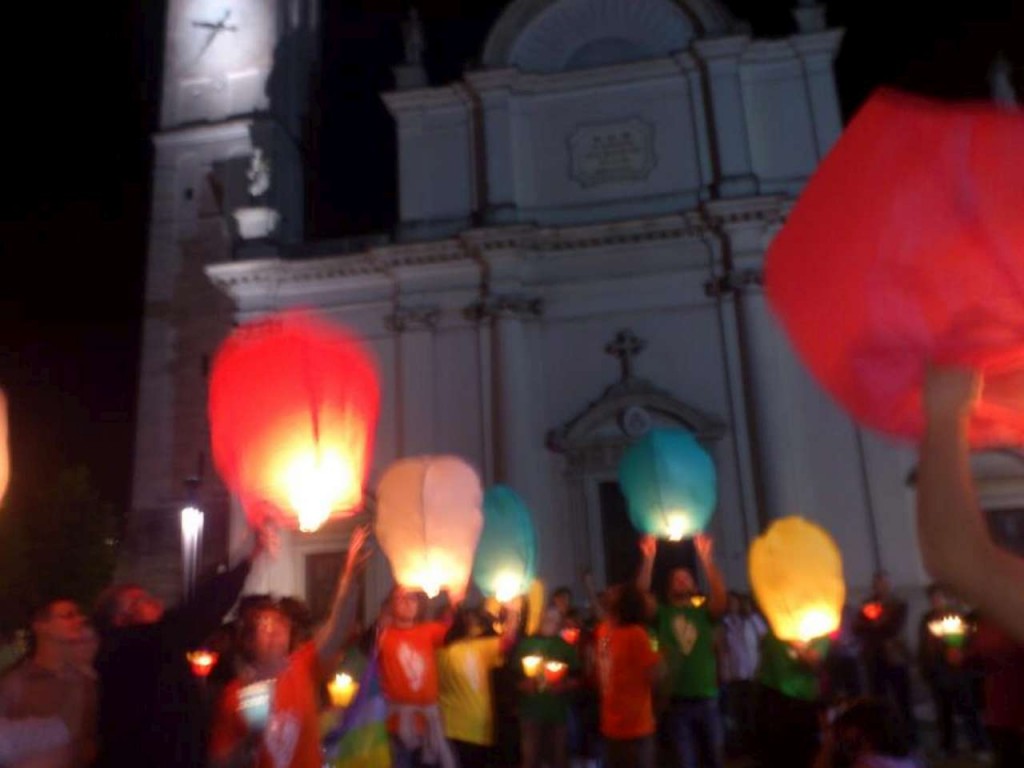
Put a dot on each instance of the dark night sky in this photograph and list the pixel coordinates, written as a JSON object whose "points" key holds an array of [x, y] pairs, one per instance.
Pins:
{"points": [[79, 103]]}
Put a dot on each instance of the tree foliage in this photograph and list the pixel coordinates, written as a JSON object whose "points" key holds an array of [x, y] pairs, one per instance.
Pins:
{"points": [[60, 543]]}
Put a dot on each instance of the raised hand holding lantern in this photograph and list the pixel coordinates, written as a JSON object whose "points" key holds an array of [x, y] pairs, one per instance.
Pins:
{"points": [[428, 522], [669, 482], [904, 250], [796, 572], [293, 406], [507, 551]]}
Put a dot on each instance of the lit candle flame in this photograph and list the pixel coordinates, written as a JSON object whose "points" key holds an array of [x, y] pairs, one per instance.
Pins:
{"points": [[532, 665], [342, 690], [202, 662], [946, 626], [872, 611], [554, 671]]}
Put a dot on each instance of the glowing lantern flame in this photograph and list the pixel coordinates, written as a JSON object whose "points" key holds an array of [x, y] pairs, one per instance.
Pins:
{"points": [[293, 406], [554, 671], [951, 628], [532, 665], [202, 662], [796, 572], [677, 526], [342, 690], [508, 586]]}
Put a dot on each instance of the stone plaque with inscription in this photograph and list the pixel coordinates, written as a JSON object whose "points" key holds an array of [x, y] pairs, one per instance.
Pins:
{"points": [[612, 152]]}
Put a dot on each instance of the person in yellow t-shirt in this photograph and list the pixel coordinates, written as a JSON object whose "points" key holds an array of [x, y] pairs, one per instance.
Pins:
{"points": [[465, 664]]}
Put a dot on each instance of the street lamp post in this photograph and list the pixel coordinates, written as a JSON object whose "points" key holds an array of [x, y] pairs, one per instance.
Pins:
{"points": [[191, 535]]}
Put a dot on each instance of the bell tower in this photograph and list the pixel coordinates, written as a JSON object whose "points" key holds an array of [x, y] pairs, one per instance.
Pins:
{"points": [[227, 183]]}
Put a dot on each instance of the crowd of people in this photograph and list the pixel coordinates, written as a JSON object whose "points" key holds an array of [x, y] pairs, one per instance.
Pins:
{"points": [[628, 679], [640, 675]]}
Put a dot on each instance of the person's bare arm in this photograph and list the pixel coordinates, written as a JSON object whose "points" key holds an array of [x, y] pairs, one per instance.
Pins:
{"points": [[955, 543], [648, 549], [332, 634], [718, 599]]}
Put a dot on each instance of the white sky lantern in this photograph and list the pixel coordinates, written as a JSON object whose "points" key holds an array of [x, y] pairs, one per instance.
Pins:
{"points": [[429, 521]]}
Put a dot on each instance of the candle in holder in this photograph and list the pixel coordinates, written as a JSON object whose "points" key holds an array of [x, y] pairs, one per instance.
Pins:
{"points": [[254, 704], [570, 635], [697, 600], [554, 671], [202, 662], [532, 665], [872, 611], [342, 690], [951, 629]]}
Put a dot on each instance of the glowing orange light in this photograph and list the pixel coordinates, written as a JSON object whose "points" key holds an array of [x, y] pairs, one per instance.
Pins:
{"points": [[202, 662], [571, 635], [555, 671], [872, 611], [532, 665], [952, 629], [342, 690]]}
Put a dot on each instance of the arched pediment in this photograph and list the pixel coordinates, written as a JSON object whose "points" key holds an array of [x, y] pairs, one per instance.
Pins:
{"points": [[596, 437], [548, 36]]}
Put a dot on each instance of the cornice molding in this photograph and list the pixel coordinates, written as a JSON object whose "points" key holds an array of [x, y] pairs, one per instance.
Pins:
{"points": [[527, 243]]}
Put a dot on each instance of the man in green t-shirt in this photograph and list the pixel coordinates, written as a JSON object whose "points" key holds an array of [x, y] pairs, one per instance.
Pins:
{"points": [[685, 627], [789, 678], [546, 679]]}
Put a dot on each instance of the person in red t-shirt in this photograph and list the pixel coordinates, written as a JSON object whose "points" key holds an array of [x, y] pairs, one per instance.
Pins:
{"points": [[1002, 661], [407, 647], [628, 669], [288, 735]]}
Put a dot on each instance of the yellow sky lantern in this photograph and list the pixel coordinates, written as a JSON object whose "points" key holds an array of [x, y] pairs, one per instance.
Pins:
{"points": [[796, 571]]}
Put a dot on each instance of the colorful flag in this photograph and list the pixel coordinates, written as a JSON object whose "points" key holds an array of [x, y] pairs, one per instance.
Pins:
{"points": [[360, 740]]}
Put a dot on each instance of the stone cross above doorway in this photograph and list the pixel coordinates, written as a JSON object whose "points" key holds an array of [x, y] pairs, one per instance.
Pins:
{"points": [[624, 347]]}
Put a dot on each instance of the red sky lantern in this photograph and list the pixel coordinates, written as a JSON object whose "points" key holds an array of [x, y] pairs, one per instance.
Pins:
{"points": [[293, 406], [904, 249]]}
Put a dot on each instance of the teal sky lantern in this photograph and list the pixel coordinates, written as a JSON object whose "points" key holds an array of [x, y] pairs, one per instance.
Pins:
{"points": [[669, 481], [506, 556]]}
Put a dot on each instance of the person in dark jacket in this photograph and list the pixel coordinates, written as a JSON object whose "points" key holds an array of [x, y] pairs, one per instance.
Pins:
{"points": [[151, 706], [948, 680], [880, 627]]}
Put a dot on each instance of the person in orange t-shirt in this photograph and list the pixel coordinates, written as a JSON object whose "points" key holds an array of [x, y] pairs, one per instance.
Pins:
{"points": [[282, 731], [407, 653], [628, 668]]}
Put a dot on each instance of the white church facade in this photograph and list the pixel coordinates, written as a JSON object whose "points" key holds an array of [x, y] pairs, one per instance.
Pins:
{"points": [[583, 221]]}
